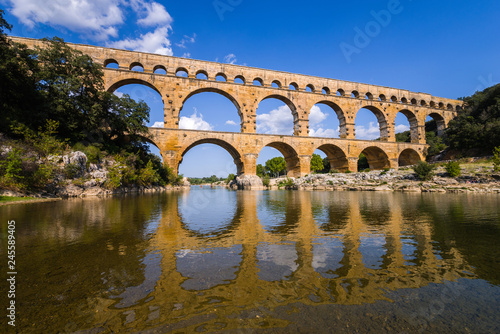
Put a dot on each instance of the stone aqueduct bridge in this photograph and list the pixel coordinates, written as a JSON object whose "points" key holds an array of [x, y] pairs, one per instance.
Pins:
{"points": [[246, 87]]}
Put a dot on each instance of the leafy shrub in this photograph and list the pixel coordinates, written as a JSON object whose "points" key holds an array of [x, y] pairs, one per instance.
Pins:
{"points": [[114, 179], [453, 168], [148, 175], [11, 169], [424, 170], [496, 159], [286, 183], [334, 171], [92, 152], [71, 171], [348, 172], [266, 181]]}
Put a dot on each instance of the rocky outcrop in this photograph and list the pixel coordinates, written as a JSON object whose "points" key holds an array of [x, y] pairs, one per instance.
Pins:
{"points": [[249, 182]]}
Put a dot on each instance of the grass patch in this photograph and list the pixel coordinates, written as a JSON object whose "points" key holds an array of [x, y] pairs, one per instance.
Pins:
{"points": [[4, 199]]}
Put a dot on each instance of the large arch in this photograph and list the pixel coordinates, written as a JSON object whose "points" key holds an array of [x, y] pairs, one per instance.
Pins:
{"points": [[235, 154], [291, 157], [408, 157], [289, 104], [412, 119], [440, 122], [336, 156], [377, 158], [129, 81], [340, 116], [217, 91], [382, 121]]}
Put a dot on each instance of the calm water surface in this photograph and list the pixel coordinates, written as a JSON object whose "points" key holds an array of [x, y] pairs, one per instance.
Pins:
{"points": [[213, 260]]}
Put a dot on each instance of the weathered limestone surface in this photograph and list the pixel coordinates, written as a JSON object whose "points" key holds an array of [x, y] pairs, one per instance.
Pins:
{"points": [[249, 182], [246, 87]]}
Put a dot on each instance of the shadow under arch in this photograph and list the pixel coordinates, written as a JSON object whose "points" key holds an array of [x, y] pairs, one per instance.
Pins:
{"points": [[377, 158], [440, 122], [219, 142], [408, 157], [217, 91], [336, 156], [130, 81], [340, 116], [291, 157]]}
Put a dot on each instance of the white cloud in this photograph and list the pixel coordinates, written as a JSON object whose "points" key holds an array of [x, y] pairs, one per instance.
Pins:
{"points": [[119, 94], [186, 55], [153, 42], [153, 14], [194, 122], [316, 116], [96, 18], [158, 125], [278, 121], [401, 128], [230, 58], [231, 122], [186, 40], [370, 133], [329, 133]]}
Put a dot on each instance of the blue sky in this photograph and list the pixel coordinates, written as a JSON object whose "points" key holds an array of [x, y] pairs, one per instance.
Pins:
{"points": [[445, 48]]}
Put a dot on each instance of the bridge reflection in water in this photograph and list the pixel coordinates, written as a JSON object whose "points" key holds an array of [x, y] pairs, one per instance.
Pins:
{"points": [[211, 260]]}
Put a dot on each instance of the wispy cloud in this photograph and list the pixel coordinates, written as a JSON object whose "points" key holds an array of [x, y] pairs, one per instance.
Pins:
{"points": [[230, 58], [186, 40], [231, 122]]}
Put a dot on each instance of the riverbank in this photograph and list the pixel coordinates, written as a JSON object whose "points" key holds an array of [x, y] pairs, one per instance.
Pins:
{"points": [[72, 191], [477, 178]]}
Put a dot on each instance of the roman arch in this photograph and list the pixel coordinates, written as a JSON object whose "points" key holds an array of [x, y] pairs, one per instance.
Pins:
{"points": [[246, 87]]}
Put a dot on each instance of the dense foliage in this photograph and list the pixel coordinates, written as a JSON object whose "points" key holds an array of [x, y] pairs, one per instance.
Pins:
{"points": [[453, 168], [478, 126], [55, 93], [424, 171], [276, 166]]}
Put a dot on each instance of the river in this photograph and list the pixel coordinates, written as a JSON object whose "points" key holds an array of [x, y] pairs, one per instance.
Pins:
{"points": [[214, 260]]}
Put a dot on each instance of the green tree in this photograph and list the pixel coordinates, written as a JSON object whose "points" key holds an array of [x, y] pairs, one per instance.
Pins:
{"points": [[496, 159], [276, 165], [19, 97], [230, 178], [316, 163], [424, 170], [478, 126], [453, 168], [403, 137], [326, 165], [363, 162], [260, 170]]}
